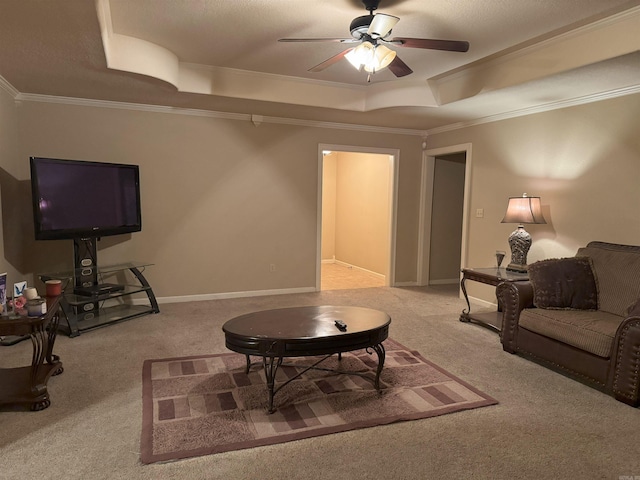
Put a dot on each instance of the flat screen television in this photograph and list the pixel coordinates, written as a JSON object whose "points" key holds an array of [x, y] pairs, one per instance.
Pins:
{"points": [[75, 199]]}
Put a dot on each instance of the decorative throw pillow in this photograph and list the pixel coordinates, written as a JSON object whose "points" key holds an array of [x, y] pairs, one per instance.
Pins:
{"points": [[564, 283]]}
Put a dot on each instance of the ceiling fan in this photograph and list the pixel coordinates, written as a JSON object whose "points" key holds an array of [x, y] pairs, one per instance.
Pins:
{"points": [[371, 33]]}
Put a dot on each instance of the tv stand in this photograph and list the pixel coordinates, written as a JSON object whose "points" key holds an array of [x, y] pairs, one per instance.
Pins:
{"points": [[88, 312]]}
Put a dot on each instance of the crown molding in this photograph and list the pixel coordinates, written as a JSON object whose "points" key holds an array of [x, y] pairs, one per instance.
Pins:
{"points": [[30, 97], [596, 97], [541, 57]]}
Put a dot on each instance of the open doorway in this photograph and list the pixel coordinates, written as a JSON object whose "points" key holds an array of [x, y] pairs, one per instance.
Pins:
{"points": [[356, 221], [444, 214]]}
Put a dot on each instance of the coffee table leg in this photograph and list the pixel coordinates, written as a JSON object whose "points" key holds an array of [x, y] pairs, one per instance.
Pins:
{"points": [[380, 351], [271, 365]]}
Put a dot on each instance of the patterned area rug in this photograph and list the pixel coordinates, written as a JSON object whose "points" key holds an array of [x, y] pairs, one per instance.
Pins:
{"points": [[194, 406]]}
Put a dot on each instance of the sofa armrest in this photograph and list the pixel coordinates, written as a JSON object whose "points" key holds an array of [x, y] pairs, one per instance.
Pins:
{"points": [[626, 359], [514, 297]]}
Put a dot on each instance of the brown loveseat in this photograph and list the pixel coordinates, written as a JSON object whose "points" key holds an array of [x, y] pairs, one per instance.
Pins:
{"points": [[580, 316]]}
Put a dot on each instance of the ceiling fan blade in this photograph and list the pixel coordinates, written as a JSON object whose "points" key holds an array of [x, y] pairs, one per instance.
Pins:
{"points": [[381, 25], [399, 68], [448, 45], [337, 40], [330, 61]]}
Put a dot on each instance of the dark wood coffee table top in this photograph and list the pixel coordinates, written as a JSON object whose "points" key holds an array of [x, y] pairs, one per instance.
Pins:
{"points": [[305, 331]]}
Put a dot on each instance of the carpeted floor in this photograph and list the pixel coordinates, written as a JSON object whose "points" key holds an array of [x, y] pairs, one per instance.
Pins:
{"points": [[208, 404], [546, 426]]}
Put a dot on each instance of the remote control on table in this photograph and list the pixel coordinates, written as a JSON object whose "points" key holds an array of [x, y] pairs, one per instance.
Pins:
{"points": [[341, 325]]}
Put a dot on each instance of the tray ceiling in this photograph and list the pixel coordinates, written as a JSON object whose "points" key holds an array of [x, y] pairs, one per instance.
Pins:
{"points": [[222, 56]]}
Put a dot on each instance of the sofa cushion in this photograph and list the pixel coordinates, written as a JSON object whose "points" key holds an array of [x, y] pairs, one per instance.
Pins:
{"points": [[589, 330], [564, 283], [617, 270]]}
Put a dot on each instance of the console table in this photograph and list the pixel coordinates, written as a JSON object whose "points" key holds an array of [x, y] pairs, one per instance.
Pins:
{"points": [[491, 276], [28, 385], [88, 312]]}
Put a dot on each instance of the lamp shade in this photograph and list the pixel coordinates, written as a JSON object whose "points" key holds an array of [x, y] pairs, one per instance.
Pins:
{"points": [[381, 25], [361, 55], [382, 57], [370, 57], [524, 210]]}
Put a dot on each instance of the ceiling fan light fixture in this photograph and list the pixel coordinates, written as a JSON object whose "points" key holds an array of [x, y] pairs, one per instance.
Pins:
{"points": [[370, 31], [362, 55], [370, 57], [382, 57]]}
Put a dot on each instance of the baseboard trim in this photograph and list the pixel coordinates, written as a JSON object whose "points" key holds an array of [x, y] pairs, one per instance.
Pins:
{"points": [[480, 302], [261, 293], [225, 295], [355, 267], [445, 281]]}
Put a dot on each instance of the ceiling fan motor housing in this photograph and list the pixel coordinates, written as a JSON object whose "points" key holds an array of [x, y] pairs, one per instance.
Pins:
{"points": [[360, 25], [371, 5]]}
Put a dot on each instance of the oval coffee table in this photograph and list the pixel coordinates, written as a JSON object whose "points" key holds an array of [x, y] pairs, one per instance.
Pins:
{"points": [[306, 332]]}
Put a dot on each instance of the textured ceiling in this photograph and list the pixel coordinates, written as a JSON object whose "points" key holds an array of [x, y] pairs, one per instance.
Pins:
{"points": [[225, 56]]}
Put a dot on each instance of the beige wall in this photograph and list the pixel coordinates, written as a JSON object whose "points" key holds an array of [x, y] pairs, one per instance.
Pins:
{"points": [[10, 189], [362, 210], [222, 199], [584, 163]]}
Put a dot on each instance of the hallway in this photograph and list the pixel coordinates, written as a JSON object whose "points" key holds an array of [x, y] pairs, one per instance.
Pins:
{"points": [[335, 276]]}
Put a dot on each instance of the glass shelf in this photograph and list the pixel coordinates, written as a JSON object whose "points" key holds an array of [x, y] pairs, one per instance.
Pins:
{"points": [[101, 270], [75, 299], [87, 312]]}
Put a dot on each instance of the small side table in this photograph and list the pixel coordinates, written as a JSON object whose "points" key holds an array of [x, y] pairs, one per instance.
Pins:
{"points": [[28, 385], [491, 276]]}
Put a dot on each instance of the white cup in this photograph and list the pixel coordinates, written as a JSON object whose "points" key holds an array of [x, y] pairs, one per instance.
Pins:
{"points": [[30, 293]]}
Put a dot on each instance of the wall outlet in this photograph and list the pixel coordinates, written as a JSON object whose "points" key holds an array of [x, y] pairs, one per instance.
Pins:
{"points": [[272, 267], [479, 212]]}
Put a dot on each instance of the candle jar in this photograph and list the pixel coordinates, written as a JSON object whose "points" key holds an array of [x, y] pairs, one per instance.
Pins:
{"points": [[36, 307]]}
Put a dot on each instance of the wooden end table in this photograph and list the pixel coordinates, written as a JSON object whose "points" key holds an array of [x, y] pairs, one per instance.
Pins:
{"points": [[306, 332], [491, 276], [28, 385]]}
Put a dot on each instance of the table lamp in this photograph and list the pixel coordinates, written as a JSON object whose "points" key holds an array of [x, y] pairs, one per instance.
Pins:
{"points": [[521, 210]]}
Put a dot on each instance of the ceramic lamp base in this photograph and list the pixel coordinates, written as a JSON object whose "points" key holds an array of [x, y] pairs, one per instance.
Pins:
{"points": [[520, 242]]}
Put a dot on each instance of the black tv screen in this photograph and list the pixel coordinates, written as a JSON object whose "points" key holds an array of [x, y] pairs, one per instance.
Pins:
{"points": [[81, 199]]}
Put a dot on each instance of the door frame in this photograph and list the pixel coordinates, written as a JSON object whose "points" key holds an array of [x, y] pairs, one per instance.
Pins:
{"points": [[426, 207], [394, 158]]}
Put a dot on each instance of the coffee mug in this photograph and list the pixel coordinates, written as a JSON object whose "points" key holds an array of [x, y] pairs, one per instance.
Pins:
{"points": [[54, 287]]}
